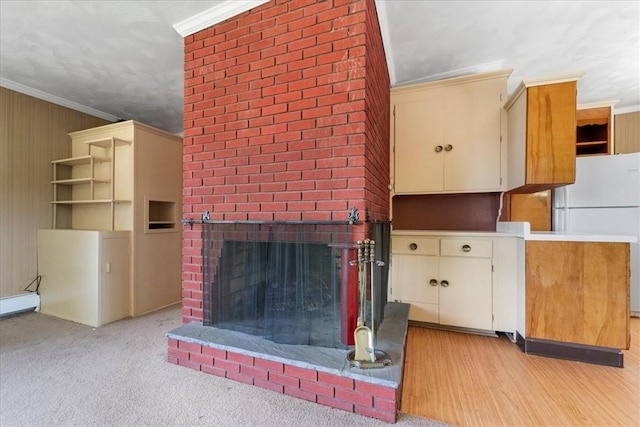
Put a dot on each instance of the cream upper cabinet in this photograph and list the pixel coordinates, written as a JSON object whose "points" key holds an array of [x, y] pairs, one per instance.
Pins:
{"points": [[447, 135]]}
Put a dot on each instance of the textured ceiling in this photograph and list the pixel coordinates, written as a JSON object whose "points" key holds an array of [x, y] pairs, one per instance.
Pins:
{"points": [[124, 58], [535, 38]]}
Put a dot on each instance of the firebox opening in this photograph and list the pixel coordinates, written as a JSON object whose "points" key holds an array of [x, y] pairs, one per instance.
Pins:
{"points": [[286, 292], [281, 282]]}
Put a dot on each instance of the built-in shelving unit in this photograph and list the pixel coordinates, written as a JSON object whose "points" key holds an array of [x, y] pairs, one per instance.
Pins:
{"points": [[594, 129], [122, 179], [87, 179], [160, 215]]}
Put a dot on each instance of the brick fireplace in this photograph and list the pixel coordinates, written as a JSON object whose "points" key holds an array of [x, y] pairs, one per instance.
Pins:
{"points": [[286, 118]]}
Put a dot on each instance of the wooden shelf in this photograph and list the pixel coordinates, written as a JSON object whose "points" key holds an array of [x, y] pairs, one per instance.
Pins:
{"points": [[161, 225], [107, 142], [588, 143], [81, 160], [88, 202], [75, 181]]}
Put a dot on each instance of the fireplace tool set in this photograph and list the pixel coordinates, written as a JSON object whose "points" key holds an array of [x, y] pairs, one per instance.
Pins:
{"points": [[365, 355]]}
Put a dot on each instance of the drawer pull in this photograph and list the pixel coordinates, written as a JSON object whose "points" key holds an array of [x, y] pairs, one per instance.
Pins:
{"points": [[433, 282], [466, 248], [448, 147], [438, 148], [413, 246], [444, 283]]}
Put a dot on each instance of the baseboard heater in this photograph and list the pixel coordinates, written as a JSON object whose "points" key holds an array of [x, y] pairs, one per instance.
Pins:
{"points": [[27, 301]]}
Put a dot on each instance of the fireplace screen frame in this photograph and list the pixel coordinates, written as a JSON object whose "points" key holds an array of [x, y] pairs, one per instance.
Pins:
{"points": [[305, 259]]}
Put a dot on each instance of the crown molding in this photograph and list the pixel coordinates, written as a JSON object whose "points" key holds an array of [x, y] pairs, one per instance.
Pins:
{"points": [[539, 81], [214, 15], [26, 90], [629, 109]]}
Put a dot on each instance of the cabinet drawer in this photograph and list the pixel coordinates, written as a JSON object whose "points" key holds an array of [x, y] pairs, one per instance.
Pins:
{"points": [[414, 245], [466, 248]]}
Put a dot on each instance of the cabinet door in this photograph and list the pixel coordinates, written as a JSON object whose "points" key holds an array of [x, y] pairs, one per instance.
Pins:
{"points": [[465, 292], [412, 275], [418, 132], [472, 154], [114, 279], [551, 135]]}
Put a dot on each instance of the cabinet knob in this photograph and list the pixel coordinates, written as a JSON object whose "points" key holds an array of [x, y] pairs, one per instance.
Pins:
{"points": [[438, 148], [448, 147], [433, 282], [466, 248], [444, 283], [413, 246]]}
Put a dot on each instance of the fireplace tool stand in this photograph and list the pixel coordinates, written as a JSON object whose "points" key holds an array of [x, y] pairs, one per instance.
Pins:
{"points": [[365, 355]]}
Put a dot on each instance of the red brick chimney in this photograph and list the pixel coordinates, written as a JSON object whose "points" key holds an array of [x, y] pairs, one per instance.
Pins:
{"points": [[286, 118]]}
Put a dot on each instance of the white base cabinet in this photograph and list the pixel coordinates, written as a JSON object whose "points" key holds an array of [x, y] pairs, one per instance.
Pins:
{"points": [[455, 279], [85, 275]]}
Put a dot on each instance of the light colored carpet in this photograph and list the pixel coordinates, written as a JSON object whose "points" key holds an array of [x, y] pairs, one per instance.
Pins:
{"points": [[56, 372]]}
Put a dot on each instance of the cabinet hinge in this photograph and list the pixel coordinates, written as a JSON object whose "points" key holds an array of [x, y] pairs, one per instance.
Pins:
{"points": [[394, 111], [492, 264], [500, 138], [501, 96], [500, 180]]}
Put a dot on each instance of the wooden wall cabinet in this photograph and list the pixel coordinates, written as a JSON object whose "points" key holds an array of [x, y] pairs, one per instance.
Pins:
{"points": [[534, 208], [446, 135], [542, 133], [454, 281], [627, 133], [594, 129], [127, 176]]}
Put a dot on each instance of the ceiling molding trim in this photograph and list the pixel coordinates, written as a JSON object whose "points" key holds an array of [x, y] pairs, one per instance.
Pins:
{"points": [[26, 90], [383, 21], [625, 110], [461, 72], [214, 15], [539, 81]]}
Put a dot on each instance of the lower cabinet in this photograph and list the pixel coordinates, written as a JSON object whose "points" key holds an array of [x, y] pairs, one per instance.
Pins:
{"points": [[578, 293], [85, 275], [450, 280]]}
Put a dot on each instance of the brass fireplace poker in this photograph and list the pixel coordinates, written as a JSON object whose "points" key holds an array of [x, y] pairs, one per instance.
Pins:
{"points": [[365, 355]]}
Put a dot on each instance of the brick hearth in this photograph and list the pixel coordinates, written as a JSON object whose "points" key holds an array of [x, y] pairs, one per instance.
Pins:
{"points": [[320, 375]]}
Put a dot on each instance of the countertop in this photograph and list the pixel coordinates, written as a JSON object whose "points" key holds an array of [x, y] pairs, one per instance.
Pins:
{"points": [[450, 233], [523, 230]]}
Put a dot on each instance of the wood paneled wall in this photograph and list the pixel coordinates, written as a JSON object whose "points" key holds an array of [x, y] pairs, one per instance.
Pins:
{"points": [[32, 133], [627, 133]]}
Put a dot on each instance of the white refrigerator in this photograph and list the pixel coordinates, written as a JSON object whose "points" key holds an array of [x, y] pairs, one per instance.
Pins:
{"points": [[605, 199]]}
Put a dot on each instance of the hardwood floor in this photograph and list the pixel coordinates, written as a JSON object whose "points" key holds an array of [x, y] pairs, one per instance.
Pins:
{"points": [[470, 380]]}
